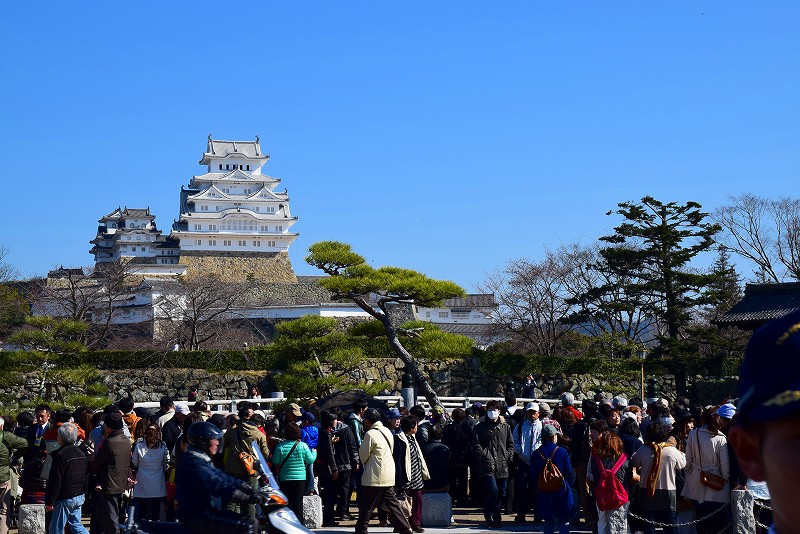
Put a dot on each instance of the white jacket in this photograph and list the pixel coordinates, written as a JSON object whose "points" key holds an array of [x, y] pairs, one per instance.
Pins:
{"points": [[712, 457], [376, 457]]}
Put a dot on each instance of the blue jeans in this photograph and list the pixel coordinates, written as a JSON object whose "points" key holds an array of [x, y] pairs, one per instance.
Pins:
{"points": [[494, 494], [67, 512]]}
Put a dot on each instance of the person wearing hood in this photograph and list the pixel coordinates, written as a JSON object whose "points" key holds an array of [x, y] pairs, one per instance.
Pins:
{"points": [[493, 447], [568, 403]]}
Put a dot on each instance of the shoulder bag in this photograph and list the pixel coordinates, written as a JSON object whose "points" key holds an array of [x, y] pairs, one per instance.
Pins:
{"points": [[709, 480], [246, 457]]}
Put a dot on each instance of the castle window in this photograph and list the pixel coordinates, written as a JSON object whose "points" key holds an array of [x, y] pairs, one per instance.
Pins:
{"points": [[198, 242], [265, 228], [279, 228], [133, 249], [226, 243], [248, 167], [227, 167], [270, 243], [204, 208], [444, 315], [198, 226], [256, 243], [220, 166], [212, 226], [242, 243], [212, 242], [258, 209], [427, 314]]}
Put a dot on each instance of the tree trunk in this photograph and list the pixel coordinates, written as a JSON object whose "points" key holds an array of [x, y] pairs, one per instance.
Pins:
{"points": [[411, 365]]}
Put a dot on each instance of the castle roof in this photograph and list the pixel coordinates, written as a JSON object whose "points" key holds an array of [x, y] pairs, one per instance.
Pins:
{"points": [[762, 303], [218, 149]]}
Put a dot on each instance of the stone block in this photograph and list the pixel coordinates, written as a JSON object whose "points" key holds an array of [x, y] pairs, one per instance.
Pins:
{"points": [[312, 511], [744, 522], [437, 510], [31, 519]]}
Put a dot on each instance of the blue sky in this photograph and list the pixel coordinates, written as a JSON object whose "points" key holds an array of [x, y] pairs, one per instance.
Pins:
{"points": [[440, 136]]}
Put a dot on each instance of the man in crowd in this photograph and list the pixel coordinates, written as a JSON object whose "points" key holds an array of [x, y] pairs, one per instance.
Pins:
{"points": [[527, 438], [378, 480], [493, 447], [458, 436], [66, 484], [766, 437], [238, 440], [112, 463], [41, 424]]}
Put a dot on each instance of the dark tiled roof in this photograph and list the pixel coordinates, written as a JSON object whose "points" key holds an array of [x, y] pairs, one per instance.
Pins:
{"points": [[137, 212], [762, 303], [475, 300]]}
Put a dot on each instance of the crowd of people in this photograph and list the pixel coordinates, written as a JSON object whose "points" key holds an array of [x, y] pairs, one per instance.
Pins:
{"points": [[616, 464]]}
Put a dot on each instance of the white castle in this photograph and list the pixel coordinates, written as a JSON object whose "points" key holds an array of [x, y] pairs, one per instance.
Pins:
{"points": [[228, 216]]}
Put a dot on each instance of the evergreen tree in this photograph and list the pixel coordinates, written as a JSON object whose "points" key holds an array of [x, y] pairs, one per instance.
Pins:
{"points": [[653, 249], [351, 278]]}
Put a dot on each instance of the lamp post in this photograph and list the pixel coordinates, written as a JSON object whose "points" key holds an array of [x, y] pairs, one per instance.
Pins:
{"points": [[641, 353]]}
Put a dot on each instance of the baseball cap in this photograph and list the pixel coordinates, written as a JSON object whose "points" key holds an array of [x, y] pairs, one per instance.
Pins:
{"points": [[295, 409], [769, 380], [393, 413], [532, 406], [567, 399], [182, 408], [544, 408]]}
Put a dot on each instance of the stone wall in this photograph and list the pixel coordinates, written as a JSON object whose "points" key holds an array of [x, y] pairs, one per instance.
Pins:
{"points": [[240, 266], [455, 378]]}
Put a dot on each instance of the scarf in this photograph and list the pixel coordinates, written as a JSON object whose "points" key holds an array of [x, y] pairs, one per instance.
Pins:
{"points": [[655, 469]]}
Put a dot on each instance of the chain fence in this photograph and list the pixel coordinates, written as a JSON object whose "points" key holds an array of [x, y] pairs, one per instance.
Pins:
{"points": [[688, 524]]}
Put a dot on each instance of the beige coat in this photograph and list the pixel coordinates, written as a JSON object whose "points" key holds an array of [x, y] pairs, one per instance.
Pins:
{"points": [[712, 457], [376, 457]]}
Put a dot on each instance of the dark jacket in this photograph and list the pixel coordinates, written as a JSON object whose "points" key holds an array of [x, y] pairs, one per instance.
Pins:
{"points": [[112, 463], [325, 465], [34, 448], [345, 448], [201, 487], [437, 457], [493, 447], [457, 437], [67, 474], [623, 474], [171, 432], [630, 444]]}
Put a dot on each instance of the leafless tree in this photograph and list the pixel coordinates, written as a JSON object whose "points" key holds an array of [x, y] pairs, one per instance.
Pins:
{"points": [[764, 231], [193, 310], [531, 298], [7, 271]]}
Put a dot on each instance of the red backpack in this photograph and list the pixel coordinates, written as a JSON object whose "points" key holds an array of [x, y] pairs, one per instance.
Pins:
{"points": [[609, 491]]}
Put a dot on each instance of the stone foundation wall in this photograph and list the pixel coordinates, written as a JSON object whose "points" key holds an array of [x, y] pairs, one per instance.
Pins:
{"points": [[454, 378], [240, 266]]}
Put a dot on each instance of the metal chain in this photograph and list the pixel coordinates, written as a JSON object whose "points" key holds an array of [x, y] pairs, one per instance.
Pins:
{"points": [[673, 525], [759, 524], [761, 504]]}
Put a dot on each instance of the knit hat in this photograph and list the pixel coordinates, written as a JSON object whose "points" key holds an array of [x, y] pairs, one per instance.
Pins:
{"points": [[567, 399], [393, 413], [727, 411], [113, 420]]}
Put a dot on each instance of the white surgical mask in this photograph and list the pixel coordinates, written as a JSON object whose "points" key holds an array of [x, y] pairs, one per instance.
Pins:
{"points": [[493, 414]]}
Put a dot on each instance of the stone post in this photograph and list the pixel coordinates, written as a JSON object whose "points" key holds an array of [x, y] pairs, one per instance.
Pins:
{"points": [[742, 504]]}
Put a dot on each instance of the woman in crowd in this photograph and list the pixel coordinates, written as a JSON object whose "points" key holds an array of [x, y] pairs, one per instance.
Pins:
{"points": [[658, 463], [630, 435], [410, 469], [684, 423], [558, 507], [707, 451], [607, 451], [290, 459], [150, 459]]}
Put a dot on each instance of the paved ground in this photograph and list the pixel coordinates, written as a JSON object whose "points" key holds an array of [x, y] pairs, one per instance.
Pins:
{"points": [[465, 520]]}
